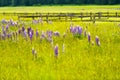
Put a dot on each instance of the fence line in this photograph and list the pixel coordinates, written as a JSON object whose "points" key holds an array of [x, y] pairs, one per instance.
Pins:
{"points": [[67, 16]]}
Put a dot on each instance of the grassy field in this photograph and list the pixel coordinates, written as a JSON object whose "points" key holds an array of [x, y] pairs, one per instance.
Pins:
{"points": [[78, 59], [92, 8]]}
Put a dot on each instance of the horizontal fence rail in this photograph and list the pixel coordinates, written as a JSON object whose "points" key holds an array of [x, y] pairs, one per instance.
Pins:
{"points": [[99, 16]]}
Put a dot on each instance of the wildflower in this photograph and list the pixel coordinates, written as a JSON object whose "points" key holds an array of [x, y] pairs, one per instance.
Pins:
{"points": [[9, 35], [97, 40], [28, 30], [37, 33], [49, 34], [56, 51], [7, 27], [23, 29], [89, 37], [79, 30], [19, 31], [42, 36], [30, 35], [4, 21], [56, 33]]}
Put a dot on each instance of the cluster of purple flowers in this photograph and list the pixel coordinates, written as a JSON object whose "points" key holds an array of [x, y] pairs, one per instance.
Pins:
{"points": [[29, 33], [96, 40], [76, 31]]}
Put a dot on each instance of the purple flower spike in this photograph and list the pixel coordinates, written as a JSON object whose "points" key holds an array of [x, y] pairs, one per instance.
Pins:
{"points": [[89, 37], [19, 31], [56, 33], [25, 34], [30, 35], [43, 35], [29, 29], [7, 27], [49, 34], [56, 51], [4, 21], [79, 30], [9, 35], [23, 29], [37, 33], [97, 41]]}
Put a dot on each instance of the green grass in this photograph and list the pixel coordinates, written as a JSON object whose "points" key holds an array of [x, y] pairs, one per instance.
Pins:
{"points": [[69, 8], [80, 61]]}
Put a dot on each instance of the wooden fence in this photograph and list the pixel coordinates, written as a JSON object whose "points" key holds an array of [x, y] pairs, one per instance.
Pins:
{"points": [[99, 16]]}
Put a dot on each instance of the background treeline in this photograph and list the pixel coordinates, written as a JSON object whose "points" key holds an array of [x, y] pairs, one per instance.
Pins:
{"points": [[52, 2]]}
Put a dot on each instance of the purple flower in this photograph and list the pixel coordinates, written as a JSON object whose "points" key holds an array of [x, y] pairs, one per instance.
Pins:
{"points": [[23, 29], [56, 33], [28, 30], [25, 33], [32, 32], [9, 35], [79, 29], [56, 51], [49, 34], [89, 37], [7, 27], [71, 29], [19, 31], [30, 35], [97, 40], [37, 33], [43, 35], [4, 21], [4, 32]]}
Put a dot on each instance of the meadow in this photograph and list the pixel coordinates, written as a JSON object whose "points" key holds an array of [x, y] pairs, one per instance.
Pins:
{"points": [[31, 50]]}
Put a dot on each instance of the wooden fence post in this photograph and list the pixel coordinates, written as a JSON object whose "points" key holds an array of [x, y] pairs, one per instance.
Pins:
{"points": [[99, 15], [71, 15], [47, 20], [91, 16], [59, 16], [66, 16], [94, 18], [116, 14], [81, 15], [108, 15]]}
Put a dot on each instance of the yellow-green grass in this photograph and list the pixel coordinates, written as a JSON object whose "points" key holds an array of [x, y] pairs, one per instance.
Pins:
{"points": [[80, 61], [69, 8]]}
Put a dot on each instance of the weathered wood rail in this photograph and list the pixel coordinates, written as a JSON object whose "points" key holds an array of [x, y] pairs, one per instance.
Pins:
{"points": [[69, 16]]}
